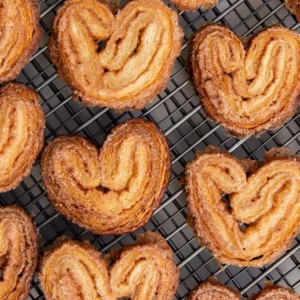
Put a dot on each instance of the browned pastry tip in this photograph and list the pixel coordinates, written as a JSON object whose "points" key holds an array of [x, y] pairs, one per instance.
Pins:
{"points": [[114, 190], [267, 202], [294, 7], [20, 35], [22, 124], [212, 289], [143, 41], [142, 271], [276, 292], [251, 88], [18, 253], [192, 5]]}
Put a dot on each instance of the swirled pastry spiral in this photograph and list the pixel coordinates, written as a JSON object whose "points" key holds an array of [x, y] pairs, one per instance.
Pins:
{"points": [[114, 190], [247, 90], [143, 271], [143, 41], [192, 5], [22, 124], [294, 7], [276, 292], [20, 34], [18, 253], [212, 289], [267, 202]]}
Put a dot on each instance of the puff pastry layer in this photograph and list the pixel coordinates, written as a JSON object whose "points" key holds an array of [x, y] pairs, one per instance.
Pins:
{"points": [[18, 253], [22, 124], [143, 41], [142, 271], [114, 190], [250, 88], [20, 34], [267, 202]]}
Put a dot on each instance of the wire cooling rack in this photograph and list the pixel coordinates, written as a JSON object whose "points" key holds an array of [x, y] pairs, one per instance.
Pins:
{"points": [[178, 113]]}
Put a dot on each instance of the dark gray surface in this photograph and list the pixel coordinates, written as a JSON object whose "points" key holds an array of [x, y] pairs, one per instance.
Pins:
{"points": [[179, 115]]}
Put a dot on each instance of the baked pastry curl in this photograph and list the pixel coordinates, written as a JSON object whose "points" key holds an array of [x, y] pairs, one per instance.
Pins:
{"points": [[20, 34], [212, 289], [21, 133], [267, 202], [294, 7], [247, 90], [276, 292], [143, 271], [114, 190], [143, 41], [192, 5], [18, 253]]}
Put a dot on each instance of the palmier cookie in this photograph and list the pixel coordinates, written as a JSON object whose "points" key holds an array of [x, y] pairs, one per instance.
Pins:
{"points": [[18, 253], [20, 34], [267, 201], [142, 271], [22, 124], [143, 41], [273, 292], [251, 88], [212, 289], [114, 190], [294, 7], [192, 5]]}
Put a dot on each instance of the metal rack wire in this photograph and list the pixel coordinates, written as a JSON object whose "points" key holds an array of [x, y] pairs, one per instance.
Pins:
{"points": [[178, 113]]}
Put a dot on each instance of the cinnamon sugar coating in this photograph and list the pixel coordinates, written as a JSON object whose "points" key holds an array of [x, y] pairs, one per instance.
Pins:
{"points": [[114, 190], [21, 133], [18, 253], [247, 88], [267, 201], [142, 271], [143, 41], [20, 35]]}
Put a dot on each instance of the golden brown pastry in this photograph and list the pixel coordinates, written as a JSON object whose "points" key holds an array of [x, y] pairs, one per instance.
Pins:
{"points": [[20, 34], [267, 201], [18, 253], [192, 5], [212, 289], [250, 88], [142, 271], [22, 124], [143, 41], [294, 7], [114, 190], [276, 292]]}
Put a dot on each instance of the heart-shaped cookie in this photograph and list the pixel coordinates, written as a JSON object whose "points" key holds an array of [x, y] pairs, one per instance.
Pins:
{"points": [[274, 292], [143, 41], [192, 5], [114, 190], [250, 88], [294, 7], [18, 253], [20, 34], [143, 271], [267, 202], [212, 289], [22, 124]]}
